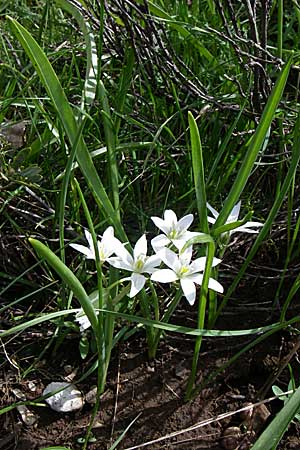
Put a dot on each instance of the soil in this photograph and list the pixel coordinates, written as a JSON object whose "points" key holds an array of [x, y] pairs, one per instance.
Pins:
{"points": [[150, 395], [146, 398]]}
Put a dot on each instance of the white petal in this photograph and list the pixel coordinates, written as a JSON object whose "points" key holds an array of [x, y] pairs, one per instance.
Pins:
{"points": [[185, 222], [84, 322], [195, 278], [151, 263], [186, 256], [169, 258], [243, 230], [137, 284], [164, 276], [140, 247], [170, 218], [90, 254], [159, 242], [89, 238], [215, 286], [253, 224], [123, 254], [212, 210], [106, 246], [108, 233], [211, 220], [198, 265], [119, 263], [212, 284], [109, 247], [179, 243], [189, 290], [161, 224], [216, 261], [234, 215]]}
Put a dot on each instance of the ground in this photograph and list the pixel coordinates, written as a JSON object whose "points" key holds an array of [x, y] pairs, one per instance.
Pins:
{"points": [[151, 393]]}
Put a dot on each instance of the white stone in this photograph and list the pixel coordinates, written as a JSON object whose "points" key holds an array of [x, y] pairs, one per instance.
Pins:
{"points": [[70, 399]]}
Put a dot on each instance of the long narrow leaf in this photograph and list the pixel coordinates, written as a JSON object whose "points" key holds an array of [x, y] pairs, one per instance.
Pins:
{"points": [[198, 171], [272, 214], [69, 278], [184, 32], [90, 84], [274, 432], [156, 324], [256, 144], [65, 113]]}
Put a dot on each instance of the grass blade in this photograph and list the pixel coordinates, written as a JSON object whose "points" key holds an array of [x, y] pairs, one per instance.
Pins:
{"points": [[255, 146], [274, 432], [69, 278], [65, 113], [198, 171], [272, 214], [90, 85]]}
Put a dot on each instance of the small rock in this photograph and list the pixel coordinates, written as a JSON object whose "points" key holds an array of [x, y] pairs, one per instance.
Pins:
{"points": [[69, 399], [180, 370], [231, 438], [32, 386], [90, 397], [247, 413], [260, 416], [150, 369], [97, 424], [27, 416], [68, 369]]}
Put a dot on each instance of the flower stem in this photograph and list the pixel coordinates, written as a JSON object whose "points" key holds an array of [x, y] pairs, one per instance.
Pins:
{"points": [[166, 317], [201, 319]]}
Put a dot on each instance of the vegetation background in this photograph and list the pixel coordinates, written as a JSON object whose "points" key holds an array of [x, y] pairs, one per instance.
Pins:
{"points": [[116, 120]]}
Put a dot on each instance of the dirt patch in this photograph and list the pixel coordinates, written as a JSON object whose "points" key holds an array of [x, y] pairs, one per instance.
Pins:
{"points": [[151, 394]]}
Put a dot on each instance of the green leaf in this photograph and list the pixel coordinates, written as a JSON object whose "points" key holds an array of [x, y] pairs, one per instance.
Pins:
{"points": [[90, 85], [271, 217], [156, 324], [69, 278], [55, 448], [271, 437], [65, 113], [186, 34], [255, 146], [198, 172]]}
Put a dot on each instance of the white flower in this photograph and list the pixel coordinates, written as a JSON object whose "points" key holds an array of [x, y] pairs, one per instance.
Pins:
{"points": [[106, 247], [233, 217], [138, 264], [83, 321], [181, 268], [175, 231]]}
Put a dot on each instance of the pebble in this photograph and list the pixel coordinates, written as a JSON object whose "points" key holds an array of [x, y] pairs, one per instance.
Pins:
{"points": [[70, 399], [28, 417], [231, 438], [90, 397]]}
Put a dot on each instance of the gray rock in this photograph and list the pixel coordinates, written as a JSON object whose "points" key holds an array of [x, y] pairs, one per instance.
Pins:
{"points": [[69, 399]]}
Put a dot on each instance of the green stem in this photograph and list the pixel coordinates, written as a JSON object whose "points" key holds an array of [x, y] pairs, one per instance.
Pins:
{"points": [[201, 319], [166, 317], [147, 314], [279, 28], [101, 338]]}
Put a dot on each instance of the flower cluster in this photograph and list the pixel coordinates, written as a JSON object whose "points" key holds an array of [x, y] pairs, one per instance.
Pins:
{"points": [[167, 250], [233, 217], [180, 266]]}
